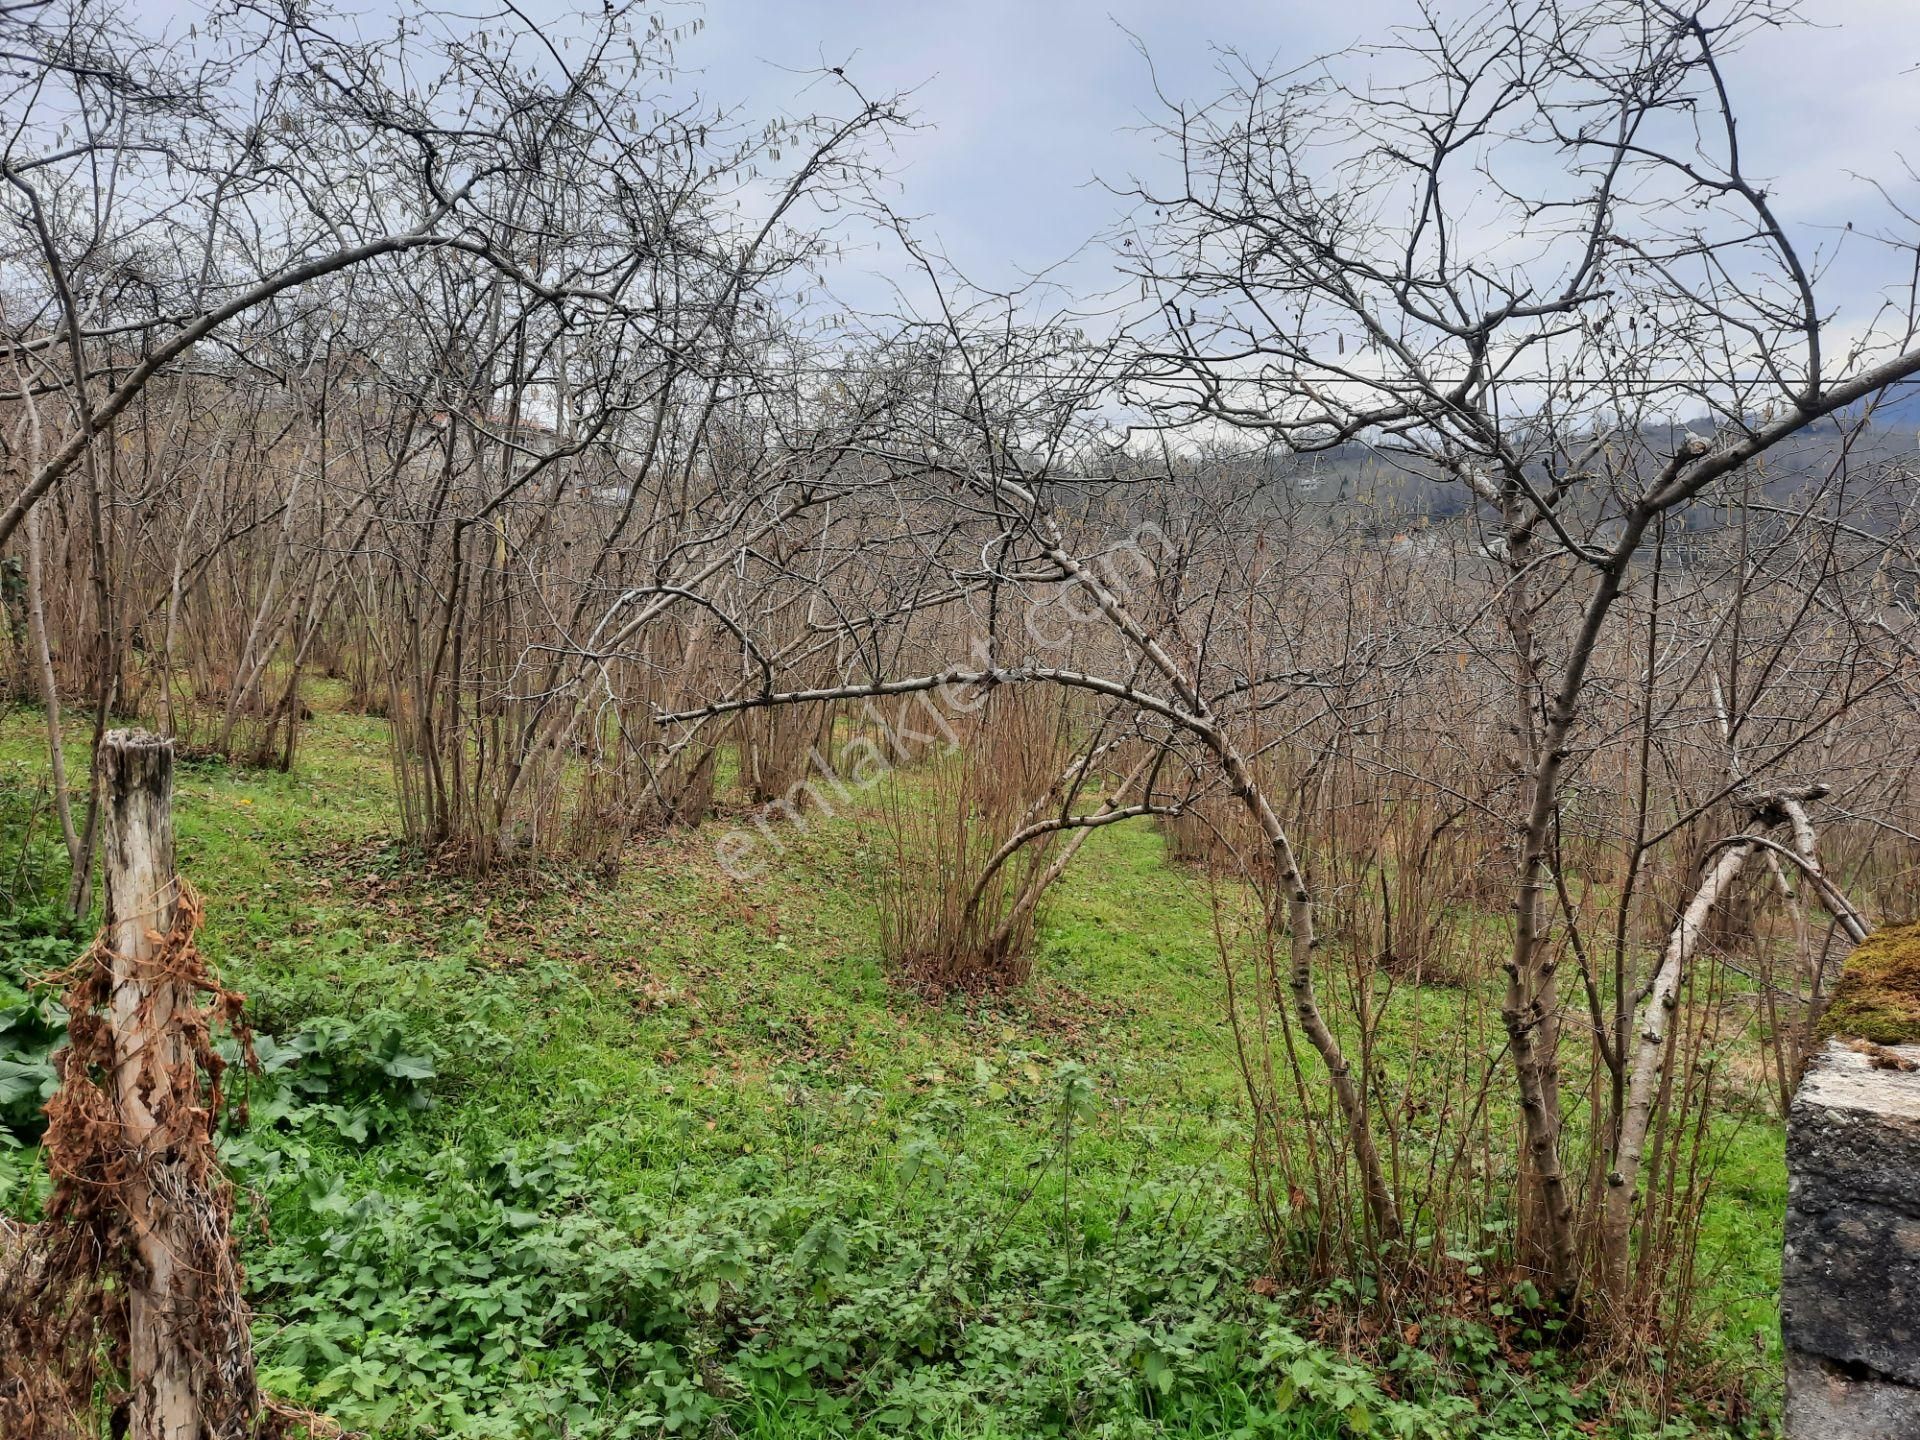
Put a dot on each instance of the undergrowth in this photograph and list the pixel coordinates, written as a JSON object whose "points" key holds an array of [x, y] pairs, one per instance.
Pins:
{"points": [[670, 1155]]}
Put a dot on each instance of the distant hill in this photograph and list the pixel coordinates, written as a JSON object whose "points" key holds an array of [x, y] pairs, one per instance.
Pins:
{"points": [[1383, 491], [1898, 406]]}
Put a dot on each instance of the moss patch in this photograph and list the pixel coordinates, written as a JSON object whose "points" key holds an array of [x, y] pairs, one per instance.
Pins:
{"points": [[1878, 997]]}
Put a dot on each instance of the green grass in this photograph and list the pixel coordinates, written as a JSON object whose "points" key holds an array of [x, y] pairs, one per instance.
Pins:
{"points": [[688, 1161]]}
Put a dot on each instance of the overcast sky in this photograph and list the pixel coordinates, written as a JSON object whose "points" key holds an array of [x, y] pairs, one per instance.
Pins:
{"points": [[1025, 104]]}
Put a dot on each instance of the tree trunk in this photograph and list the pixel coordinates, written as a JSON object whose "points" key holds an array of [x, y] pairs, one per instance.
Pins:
{"points": [[50, 696], [1649, 1059], [1292, 899], [1291, 905], [1530, 1008]]}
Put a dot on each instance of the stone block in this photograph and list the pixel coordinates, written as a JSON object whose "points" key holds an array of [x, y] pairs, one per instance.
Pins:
{"points": [[1850, 1275]]}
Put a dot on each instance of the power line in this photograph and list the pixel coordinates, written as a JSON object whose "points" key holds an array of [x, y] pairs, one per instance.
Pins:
{"points": [[1099, 374]]}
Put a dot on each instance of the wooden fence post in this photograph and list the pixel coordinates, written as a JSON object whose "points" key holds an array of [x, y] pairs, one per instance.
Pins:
{"points": [[189, 1355], [135, 1271], [142, 896]]}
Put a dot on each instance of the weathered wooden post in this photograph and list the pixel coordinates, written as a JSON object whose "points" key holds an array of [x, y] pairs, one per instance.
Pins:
{"points": [[189, 1362], [134, 1272], [142, 896]]}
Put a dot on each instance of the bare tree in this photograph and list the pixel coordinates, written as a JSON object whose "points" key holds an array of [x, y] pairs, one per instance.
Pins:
{"points": [[1400, 267]]}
